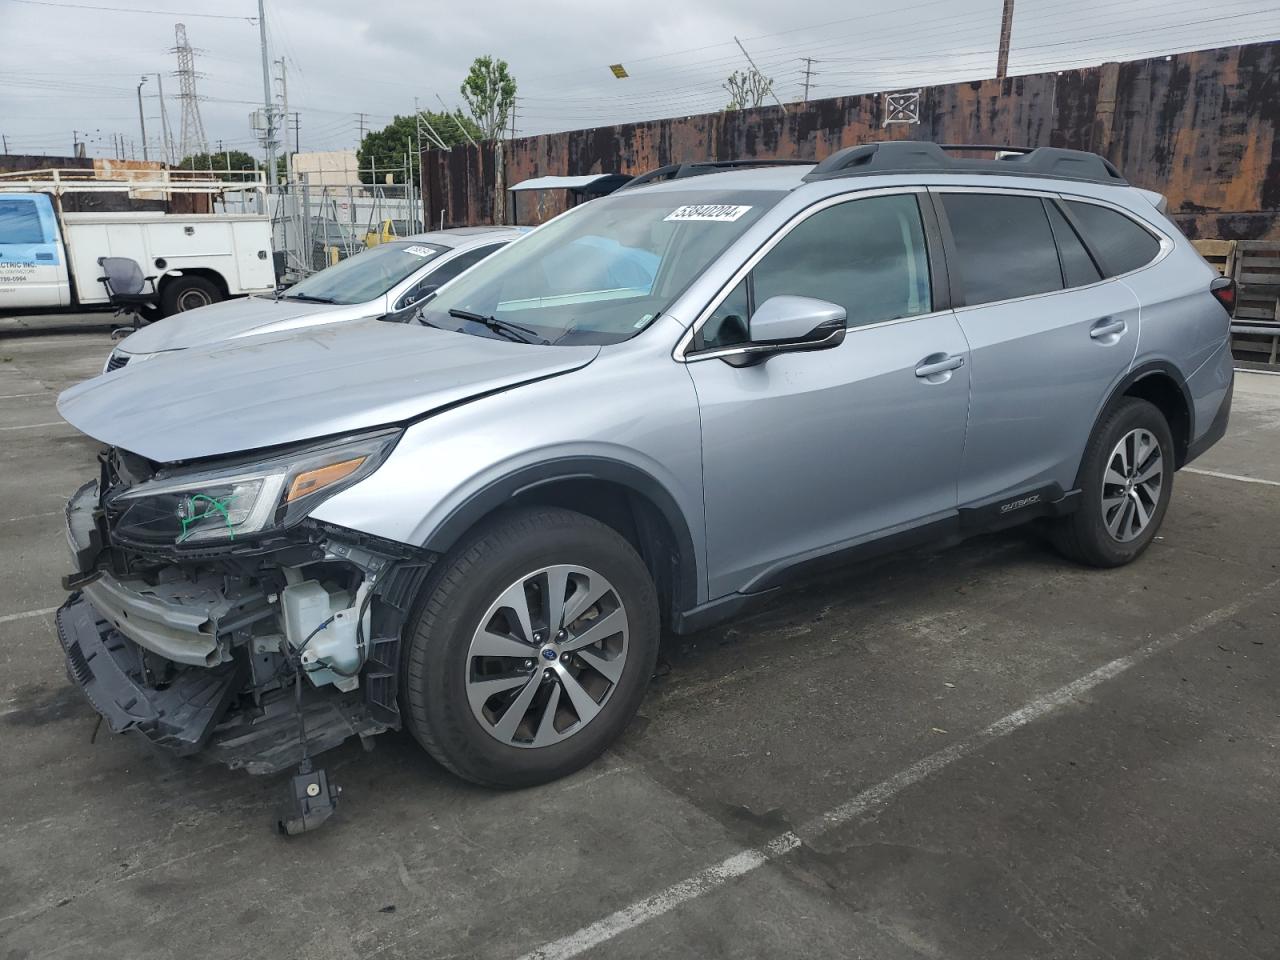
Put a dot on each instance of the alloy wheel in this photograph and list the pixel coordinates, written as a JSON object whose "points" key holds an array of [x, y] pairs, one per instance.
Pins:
{"points": [[548, 654], [1132, 484]]}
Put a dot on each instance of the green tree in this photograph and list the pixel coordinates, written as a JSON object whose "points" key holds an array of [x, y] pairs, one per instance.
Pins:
{"points": [[385, 149], [224, 165], [490, 93]]}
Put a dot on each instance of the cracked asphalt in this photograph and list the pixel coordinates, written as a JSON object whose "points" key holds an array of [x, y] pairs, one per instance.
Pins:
{"points": [[1131, 813]]}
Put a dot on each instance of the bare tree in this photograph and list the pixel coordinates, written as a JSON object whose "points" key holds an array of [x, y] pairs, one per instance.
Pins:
{"points": [[747, 88]]}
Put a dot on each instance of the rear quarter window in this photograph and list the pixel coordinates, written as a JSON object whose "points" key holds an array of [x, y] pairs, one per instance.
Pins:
{"points": [[1119, 243]]}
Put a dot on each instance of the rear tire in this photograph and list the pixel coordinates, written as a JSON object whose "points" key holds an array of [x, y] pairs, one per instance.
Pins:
{"points": [[1125, 482], [468, 636], [181, 294]]}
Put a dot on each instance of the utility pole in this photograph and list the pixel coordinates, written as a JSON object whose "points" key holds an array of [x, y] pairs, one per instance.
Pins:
{"points": [[142, 120], [267, 104], [457, 121], [1006, 31], [284, 114], [164, 124], [6, 144], [808, 76], [757, 70], [360, 117]]}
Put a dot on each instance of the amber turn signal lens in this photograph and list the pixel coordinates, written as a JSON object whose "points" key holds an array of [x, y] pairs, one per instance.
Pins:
{"points": [[317, 479]]}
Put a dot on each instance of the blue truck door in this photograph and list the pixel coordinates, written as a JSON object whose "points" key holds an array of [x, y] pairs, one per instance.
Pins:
{"points": [[33, 270]]}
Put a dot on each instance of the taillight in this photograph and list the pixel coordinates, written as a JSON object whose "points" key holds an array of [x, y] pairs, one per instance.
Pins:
{"points": [[1224, 291]]}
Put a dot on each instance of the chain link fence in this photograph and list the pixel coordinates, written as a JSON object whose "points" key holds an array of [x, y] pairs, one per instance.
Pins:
{"points": [[316, 225]]}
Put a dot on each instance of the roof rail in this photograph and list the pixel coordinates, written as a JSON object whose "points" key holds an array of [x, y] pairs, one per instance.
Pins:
{"points": [[694, 168], [910, 156]]}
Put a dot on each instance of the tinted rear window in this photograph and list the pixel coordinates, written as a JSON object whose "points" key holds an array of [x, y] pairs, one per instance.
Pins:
{"points": [[1004, 246], [1120, 243]]}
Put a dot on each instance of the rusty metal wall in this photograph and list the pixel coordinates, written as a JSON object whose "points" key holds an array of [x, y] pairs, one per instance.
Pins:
{"points": [[1203, 128]]}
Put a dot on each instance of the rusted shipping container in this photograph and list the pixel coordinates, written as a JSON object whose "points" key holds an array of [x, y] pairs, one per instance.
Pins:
{"points": [[1202, 128]]}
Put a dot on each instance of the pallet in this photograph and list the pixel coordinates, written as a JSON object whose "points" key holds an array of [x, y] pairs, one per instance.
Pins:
{"points": [[1221, 254], [1255, 265]]}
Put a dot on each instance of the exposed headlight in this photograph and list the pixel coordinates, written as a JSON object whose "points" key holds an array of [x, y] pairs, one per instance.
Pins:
{"points": [[206, 506], [117, 359]]}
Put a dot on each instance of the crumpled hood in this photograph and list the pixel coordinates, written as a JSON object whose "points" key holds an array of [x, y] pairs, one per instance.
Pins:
{"points": [[263, 391], [236, 318]]}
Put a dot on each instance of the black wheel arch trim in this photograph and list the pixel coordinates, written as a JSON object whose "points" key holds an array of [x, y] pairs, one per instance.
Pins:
{"points": [[498, 493], [1142, 372]]}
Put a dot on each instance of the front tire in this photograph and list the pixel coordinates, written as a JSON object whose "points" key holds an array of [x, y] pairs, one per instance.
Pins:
{"points": [[1126, 482], [531, 649]]}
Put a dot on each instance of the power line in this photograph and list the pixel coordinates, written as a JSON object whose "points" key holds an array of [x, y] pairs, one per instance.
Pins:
{"points": [[161, 13]]}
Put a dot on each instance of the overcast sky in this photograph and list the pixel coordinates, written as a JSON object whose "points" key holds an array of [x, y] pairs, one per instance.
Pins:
{"points": [[73, 66]]}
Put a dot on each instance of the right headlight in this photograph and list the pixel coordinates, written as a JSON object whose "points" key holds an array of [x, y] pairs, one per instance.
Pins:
{"points": [[221, 505]]}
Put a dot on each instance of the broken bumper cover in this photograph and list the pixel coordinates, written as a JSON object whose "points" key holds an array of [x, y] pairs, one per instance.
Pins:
{"points": [[103, 662]]}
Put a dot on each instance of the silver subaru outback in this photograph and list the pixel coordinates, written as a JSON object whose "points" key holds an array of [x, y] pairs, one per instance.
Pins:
{"points": [[641, 417]]}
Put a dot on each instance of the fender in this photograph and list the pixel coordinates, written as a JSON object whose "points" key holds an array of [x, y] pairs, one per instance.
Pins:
{"points": [[1141, 372], [500, 492]]}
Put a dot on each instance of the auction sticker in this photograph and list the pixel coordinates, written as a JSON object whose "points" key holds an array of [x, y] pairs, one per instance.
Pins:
{"points": [[712, 212], [420, 251]]}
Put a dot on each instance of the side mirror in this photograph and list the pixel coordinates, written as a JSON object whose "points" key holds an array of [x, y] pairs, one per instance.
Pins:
{"points": [[789, 324], [416, 296]]}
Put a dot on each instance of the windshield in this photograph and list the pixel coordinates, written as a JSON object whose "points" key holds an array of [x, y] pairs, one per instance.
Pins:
{"points": [[602, 272], [367, 275]]}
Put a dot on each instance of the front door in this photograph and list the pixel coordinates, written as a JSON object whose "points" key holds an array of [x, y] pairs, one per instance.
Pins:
{"points": [[807, 453], [33, 271]]}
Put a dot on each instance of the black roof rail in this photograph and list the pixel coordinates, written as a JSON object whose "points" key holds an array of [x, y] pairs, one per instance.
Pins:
{"points": [[912, 156], [694, 168]]}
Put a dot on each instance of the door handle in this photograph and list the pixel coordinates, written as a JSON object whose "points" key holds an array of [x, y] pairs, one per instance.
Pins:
{"points": [[930, 366], [1107, 327]]}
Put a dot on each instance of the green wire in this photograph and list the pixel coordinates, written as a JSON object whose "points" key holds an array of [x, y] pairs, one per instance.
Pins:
{"points": [[217, 507]]}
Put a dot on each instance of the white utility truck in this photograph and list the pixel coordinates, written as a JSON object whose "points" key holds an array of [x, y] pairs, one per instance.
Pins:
{"points": [[49, 257]]}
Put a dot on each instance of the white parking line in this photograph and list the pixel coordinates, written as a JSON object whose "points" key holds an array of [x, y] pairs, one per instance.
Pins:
{"points": [[6, 618], [1230, 476], [32, 426], [745, 861], [32, 516], [19, 396]]}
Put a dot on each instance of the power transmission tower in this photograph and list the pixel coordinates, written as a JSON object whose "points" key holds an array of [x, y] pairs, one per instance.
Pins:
{"points": [[808, 76], [193, 138], [1006, 32]]}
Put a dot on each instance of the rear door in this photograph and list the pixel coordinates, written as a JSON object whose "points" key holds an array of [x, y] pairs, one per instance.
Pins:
{"points": [[1048, 336], [33, 270], [806, 454]]}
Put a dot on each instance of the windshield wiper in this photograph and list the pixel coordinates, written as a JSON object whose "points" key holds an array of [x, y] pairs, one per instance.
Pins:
{"points": [[512, 331], [307, 297]]}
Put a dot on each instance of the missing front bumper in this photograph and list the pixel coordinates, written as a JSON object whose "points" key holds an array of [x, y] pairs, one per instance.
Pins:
{"points": [[180, 715], [193, 712]]}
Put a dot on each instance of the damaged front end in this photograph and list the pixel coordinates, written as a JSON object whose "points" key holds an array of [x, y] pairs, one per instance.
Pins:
{"points": [[211, 615]]}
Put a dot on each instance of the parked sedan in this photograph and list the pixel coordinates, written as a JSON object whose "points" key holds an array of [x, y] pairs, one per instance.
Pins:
{"points": [[390, 278]]}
